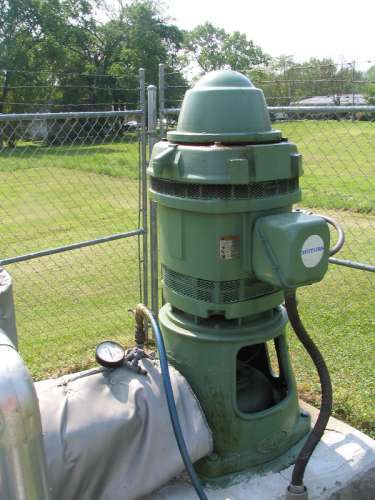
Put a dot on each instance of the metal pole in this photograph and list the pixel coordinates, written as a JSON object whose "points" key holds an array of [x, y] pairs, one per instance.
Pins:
{"points": [[152, 114], [73, 246], [353, 264], [161, 99], [17, 117], [353, 88], [353, 78], [144, 198]]}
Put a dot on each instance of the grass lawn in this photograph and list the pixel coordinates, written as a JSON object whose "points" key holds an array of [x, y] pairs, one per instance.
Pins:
{"points": [[55, 196], [339, 313], [339, 160], [67, 303]]}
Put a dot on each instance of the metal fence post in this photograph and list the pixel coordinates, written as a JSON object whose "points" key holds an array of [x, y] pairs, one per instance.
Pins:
{"points": [[151, 116], [161, 99], [144, 197], [152, 120]]}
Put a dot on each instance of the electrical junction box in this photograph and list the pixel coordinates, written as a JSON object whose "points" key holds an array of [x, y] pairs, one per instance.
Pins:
{"points": [[290, 250]]}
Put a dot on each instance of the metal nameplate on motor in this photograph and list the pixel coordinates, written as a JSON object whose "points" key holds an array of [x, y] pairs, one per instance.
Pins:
{"points": [[230, 247]]}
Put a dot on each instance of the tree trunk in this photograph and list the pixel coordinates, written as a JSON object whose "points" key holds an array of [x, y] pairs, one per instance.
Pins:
{"points": [[4, 93]]}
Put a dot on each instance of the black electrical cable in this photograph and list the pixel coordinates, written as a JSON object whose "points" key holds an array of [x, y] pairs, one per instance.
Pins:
{"points": [[142, 310], [326, 392], [340, 234]]}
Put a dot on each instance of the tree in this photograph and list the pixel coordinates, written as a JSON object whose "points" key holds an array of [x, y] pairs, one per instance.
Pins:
{"points": [[370, 85], [19, 31], [273, 79], [370, 74], [285, 81], [57, 53], [35, 42], [213, 48], [137, 35]]}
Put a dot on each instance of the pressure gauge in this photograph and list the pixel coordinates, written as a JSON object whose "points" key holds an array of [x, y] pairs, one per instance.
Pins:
{"points": [[110, 354]]}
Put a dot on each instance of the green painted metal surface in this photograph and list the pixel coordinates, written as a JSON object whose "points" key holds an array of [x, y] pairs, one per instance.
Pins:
{"points": [[225, 164], [225, 184], [224, 106], [248, 431], [290, 250]]}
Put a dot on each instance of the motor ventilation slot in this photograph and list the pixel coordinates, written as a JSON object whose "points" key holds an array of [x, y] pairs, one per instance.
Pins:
{"points": [[220, 292], [225, 191]]}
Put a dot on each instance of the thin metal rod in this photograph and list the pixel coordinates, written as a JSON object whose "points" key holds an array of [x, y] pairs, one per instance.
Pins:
{"points": [[144, 197], [161, 99], [353, 264], [73, 246], [171, 111], [63, 116], [152, 116], [322, 109], [303, 109]]}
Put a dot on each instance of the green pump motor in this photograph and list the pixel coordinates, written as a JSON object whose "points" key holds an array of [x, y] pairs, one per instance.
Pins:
{"points": [[230, 245]]}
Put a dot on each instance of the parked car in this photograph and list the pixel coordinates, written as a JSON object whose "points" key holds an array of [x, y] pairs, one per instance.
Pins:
{"points": [[131, 126]]}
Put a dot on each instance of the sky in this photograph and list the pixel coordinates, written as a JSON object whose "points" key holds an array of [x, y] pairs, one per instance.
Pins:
{"points": [[343, 30]]}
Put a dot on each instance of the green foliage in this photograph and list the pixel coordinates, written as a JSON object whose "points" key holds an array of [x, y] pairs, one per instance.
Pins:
{"points": [[371, 94], [370, 88], [284, 81], [213, 48], [57, 54], [36, 41]]}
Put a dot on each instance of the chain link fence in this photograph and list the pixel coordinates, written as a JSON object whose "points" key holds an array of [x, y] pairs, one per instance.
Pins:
{"points": [[73, 219], [74, 212], [338, 149]]}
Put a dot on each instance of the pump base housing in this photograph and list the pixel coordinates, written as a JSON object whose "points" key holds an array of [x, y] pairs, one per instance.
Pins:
{"points": [[240, 371]]}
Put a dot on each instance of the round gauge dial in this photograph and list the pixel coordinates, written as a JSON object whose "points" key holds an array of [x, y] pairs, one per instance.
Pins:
{"points": [[110, 354]]}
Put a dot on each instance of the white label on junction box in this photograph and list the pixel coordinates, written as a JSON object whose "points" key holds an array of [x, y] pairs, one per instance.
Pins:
{"points": [[312, 251]]}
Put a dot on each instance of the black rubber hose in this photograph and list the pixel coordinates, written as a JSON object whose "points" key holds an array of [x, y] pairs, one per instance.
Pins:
{"points": [[326, 390]]}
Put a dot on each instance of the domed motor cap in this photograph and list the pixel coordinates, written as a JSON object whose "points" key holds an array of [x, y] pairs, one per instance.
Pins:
{"points": [[224, 106]]}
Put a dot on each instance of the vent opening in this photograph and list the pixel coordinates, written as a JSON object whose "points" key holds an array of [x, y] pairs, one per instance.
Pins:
{"points": [[254, 190], [218, 292], [260, 383]]}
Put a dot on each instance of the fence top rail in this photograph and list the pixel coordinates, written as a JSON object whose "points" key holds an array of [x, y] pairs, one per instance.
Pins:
{"points": [[63, 116], [322, 109], [303, 109], [171, 111]]}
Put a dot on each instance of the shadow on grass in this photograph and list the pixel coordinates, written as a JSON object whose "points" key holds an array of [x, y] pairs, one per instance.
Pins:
{"points": [[33, 150], [117, 159]]}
